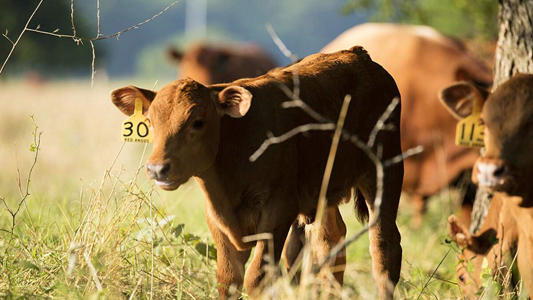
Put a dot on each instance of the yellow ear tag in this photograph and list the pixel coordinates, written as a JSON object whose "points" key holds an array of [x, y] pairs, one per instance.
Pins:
{"points": [[136, 128], [469, 130]]}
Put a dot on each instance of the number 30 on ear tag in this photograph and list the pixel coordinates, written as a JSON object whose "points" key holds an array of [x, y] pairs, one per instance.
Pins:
{"points": [[137, 127], [470, 131]]}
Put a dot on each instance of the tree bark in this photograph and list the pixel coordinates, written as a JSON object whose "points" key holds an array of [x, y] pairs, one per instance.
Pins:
{"points": [[514, 54]]}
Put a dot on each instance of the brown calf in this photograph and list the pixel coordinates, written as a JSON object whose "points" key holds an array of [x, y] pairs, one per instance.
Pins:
{"points": [[210, 64], [209, 133], [423, 61], [506, 168]]}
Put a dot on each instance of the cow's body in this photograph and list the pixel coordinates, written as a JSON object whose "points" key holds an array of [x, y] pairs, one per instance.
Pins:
{"points": [[267, 196], [506, 168], [210, 64], [422, 61]]}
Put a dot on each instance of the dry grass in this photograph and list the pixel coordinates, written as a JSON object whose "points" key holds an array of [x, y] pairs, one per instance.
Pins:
{"points": [[93, 227]]}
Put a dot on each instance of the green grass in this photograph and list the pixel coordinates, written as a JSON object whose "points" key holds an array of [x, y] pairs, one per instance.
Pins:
{"points": [[90, 206]]}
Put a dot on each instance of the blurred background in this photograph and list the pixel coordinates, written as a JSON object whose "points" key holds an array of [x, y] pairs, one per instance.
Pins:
{"points": [[305, 26]]}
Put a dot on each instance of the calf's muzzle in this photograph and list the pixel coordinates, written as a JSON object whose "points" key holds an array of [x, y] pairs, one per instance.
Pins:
{"points": [[158, 171]]}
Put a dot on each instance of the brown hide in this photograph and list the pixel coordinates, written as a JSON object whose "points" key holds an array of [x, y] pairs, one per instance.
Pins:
{"points": [[210, 132], [422, 61], [506, 168], [210, 64]]}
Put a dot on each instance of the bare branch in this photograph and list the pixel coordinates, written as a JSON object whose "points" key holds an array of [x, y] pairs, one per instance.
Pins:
{"points": [[72, 17], [116, 34], [322, 201], [381, 121], [21, 34], [97, 18], [92, 64], [276, 140], [280, 44], [5, 35]]}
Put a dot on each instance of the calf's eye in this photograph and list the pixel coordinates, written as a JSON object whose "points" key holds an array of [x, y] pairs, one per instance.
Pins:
{"points": [[198, 124], [462, 278]]}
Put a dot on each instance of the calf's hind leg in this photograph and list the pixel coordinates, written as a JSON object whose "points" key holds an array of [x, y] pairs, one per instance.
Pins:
{"points": [[385, 247], [326, 237]]}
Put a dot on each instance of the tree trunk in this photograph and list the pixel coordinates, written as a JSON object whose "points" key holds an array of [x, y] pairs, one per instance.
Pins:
{"points": [[514, 54]]}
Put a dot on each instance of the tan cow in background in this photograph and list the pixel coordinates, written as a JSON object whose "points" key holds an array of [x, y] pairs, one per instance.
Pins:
{"points": [[210, 64], [506, 169], [422, 61]]}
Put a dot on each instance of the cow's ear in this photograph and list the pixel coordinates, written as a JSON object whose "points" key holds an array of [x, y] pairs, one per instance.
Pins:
{"points": [[235, 101], [174, 54], [124, 98], [458, 232], [461, 97]]}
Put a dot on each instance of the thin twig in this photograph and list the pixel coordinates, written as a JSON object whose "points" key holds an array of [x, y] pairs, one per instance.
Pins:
{"points": [[72, 17], [322, 201], [116, 34], [280, 44], [92, 64], [381, 121], [271, 140], [98, 18], [21, 34]]}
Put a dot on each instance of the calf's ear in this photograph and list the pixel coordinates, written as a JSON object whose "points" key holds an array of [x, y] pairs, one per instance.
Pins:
{"points": [[235, 101], [124, 98], [479, 243], [462, 98], [458, 232]]}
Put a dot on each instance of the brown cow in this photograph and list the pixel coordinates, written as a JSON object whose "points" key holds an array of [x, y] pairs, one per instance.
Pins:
{"points": [[209, 133], [210, 64], [422, 61], [506, 168]]}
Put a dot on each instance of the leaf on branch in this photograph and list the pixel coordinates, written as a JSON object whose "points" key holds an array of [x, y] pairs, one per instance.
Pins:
{"points": [[38, 26], [55, 31], [33, 147]]}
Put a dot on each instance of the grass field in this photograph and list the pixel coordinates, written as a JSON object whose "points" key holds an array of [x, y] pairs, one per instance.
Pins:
{"points": [[93, 227]]}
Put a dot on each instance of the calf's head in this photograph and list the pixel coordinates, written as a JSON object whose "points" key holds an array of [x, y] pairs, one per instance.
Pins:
{"points": [[474, 251], [507, 163], [185, 118]]}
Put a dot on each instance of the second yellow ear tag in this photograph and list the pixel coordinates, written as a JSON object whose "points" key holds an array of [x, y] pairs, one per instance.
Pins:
{"points": [[137, 127], [469, 131]]}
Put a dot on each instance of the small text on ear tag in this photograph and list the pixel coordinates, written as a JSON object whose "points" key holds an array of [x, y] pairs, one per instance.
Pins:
{"points": [[469, 131], [137, 127]]}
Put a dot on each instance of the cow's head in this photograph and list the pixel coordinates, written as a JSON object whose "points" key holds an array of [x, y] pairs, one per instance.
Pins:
{"points": [[185, 116], [474, 251], [210, 64], [507, 164]]}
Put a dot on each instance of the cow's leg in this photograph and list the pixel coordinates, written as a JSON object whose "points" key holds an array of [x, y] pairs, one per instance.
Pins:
{"points": [[294, 245], [326, 237], [230, 263], [384, 236], [256, 269]]}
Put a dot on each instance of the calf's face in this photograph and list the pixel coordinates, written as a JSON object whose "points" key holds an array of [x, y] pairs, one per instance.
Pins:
{"points": [[507, 163], [185, 118], [474, 251]]}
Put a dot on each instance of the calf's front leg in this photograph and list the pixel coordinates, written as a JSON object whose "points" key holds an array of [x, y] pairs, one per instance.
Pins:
{"points": [[230, 263]]}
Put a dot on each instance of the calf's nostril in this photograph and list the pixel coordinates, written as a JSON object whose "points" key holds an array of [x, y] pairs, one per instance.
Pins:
{"points": [[164, 169], [499, 171]]}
